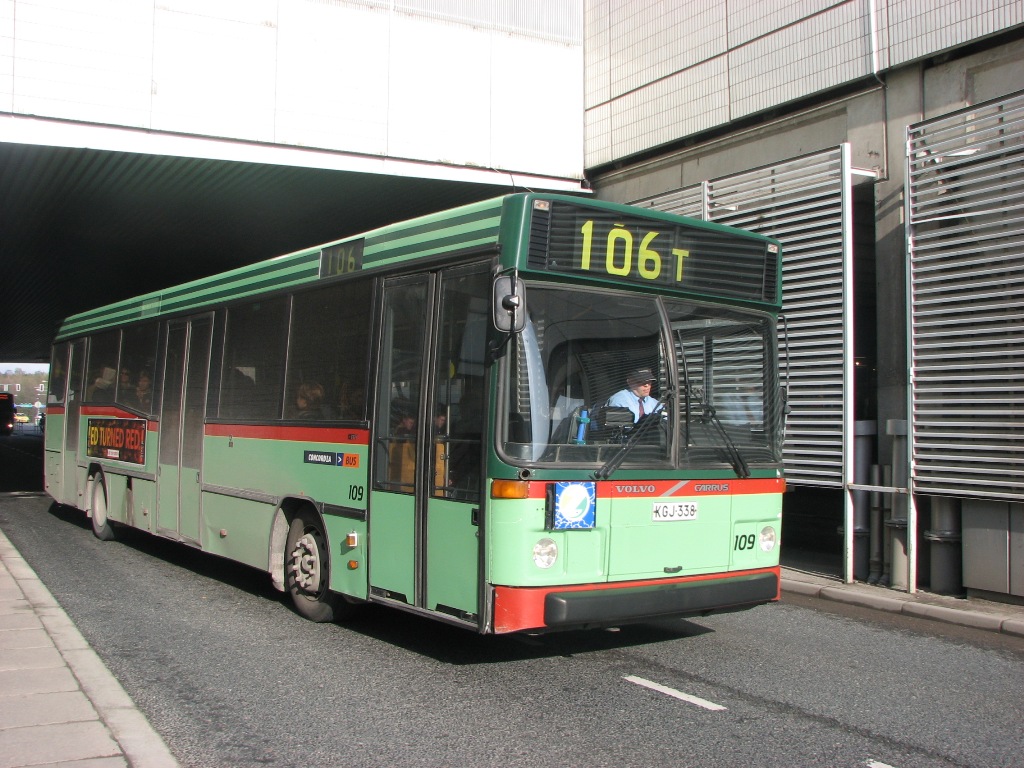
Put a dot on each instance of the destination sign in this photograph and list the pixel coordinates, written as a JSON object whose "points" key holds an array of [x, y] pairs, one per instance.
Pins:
{"points": [[648, 251], [341, 259], [117, 439]]}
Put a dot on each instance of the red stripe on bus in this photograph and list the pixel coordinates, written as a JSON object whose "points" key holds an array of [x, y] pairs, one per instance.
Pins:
{"points": [[55, 410], [303, 434], [656, 489], [520, 608]]}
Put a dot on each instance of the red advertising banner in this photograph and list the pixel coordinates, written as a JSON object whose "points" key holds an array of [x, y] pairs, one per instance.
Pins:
{"points": [[118, 439]]}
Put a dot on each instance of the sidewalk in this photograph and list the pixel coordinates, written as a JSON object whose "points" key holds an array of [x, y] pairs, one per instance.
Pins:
{"points": [[966, 612], [58, 702]]}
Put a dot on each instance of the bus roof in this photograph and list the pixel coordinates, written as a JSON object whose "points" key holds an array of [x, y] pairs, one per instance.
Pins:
{"points": [[473, 226]]}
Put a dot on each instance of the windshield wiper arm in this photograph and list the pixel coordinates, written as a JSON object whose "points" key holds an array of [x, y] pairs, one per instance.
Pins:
{"points": [[641, 429], [739, 465]]}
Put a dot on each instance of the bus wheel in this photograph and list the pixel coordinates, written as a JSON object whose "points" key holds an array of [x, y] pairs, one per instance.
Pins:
{"points": [[307, 570], [101, 526]]}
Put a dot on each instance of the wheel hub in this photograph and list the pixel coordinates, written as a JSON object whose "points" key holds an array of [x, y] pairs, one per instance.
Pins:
{"points": [[305, 564]]}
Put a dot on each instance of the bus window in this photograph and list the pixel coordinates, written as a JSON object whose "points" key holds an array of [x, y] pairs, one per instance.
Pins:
{"points": [[101, 381], [138, 360], [459, 386], [399, 397], [327, 354], [56, 386], [254, 354]]}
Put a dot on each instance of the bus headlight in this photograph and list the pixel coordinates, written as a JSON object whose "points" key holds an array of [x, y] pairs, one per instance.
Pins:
{"points": [[545, 552], [768, 538]]}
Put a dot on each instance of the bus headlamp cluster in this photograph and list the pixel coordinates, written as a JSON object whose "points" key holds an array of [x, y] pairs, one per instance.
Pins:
{"points": [[768, 538], [545, 552]]}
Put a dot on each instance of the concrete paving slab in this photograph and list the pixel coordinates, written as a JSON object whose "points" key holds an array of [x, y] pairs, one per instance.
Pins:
{"points": [[45, 709], [19, 682], [58, 743]]}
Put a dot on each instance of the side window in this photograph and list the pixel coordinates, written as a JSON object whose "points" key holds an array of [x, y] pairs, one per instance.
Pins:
{"points": [[327, 352], [102, 373], [56, 387], [254, 354], [138, 361]]}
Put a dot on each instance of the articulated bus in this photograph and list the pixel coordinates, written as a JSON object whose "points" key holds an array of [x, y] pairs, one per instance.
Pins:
{"points": [[420, 417]]}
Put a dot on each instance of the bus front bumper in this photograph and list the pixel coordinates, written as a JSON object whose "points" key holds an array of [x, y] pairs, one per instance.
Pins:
{"points": [[586, 605]]}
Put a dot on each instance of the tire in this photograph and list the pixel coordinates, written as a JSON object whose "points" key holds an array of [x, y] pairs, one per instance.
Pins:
{"points": [[308, 571], [102, 528]]}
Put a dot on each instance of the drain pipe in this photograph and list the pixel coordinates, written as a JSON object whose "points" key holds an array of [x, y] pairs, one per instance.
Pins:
{"points": [[875, 516], [947, 556], [865, 434], [886, 577], [897, 428]]}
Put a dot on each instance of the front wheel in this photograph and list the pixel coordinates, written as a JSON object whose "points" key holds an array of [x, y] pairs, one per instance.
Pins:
{"points": [[101, 526], [307, 571]]}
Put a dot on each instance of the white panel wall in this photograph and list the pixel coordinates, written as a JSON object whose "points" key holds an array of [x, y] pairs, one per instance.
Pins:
{"points": [[6, 55], [463, 82], [83, 61], [345, 105], [214, 67]]}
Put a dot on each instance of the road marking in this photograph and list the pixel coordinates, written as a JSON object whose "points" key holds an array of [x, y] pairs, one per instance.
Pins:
{"points": [[877, 764], [675, 694]]}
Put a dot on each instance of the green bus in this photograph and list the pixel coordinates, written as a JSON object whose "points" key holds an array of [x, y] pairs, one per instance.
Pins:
{"points": [[434, 416]]}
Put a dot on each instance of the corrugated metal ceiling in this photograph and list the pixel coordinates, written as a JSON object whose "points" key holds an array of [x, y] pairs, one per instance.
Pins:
{"points": [[80, 228]]}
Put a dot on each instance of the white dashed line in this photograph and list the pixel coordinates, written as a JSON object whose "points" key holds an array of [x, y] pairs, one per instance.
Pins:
{"points": [[675, 694], [877, 764]]}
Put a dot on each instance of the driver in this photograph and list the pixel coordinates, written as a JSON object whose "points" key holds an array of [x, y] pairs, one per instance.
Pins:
{"points": [[637, 394]]}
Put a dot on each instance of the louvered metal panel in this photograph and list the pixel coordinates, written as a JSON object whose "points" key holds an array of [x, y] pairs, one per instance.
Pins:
{"points": [[965, 208], [804, 203]]}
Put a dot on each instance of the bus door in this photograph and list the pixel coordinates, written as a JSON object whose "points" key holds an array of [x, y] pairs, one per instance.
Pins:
{"points": [[70, 492], [182, 414], [424, 509]]}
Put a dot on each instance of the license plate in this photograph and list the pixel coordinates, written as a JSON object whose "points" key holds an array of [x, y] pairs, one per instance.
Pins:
{"points": [[674, 510]]}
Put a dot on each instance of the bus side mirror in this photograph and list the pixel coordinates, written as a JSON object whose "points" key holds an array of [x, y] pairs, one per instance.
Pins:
{"points": [[509, 304]]}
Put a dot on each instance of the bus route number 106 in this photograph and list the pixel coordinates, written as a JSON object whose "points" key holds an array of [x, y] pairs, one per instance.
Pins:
{"points": [[674, 510]]}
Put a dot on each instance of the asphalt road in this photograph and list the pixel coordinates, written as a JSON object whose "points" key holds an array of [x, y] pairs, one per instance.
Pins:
{"points": [[229, 675]]}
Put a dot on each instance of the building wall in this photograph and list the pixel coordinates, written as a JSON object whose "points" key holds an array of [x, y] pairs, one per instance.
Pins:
{"points": [[444, 81], [656, 73]]}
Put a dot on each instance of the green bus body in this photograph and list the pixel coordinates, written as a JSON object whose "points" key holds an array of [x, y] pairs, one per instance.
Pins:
{"points": [[451, 467]]}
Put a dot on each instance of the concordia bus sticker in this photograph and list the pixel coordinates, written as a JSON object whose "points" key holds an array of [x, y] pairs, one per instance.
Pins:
{"points": [[331, 459]]}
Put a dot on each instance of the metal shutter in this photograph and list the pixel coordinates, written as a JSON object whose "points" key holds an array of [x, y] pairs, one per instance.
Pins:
{"points": [[965, 213], [806, 204]]}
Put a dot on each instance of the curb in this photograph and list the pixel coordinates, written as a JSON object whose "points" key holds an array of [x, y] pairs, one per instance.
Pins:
{"points": [[141, 745], [908, 607]]}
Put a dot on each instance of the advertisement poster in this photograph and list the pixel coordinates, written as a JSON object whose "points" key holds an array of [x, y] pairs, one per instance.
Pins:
{"points": [[118, 439]]}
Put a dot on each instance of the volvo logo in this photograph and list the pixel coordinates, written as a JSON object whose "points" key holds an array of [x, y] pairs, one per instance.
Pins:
{"points": [[634, 489], [711, 487]]}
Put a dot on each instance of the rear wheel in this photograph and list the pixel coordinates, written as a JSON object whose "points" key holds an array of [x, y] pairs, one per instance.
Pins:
{"points": [[307, 571], [101, 526]]}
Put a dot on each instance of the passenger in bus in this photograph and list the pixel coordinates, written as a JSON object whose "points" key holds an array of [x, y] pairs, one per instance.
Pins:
{"points": [[637, 394], [402, 450], [142, 397], [102, 387], [309, 401], [124, 383]]}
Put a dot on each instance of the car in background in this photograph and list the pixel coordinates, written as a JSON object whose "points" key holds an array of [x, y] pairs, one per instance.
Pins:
{"points": [[7, 411], [21, 418]]}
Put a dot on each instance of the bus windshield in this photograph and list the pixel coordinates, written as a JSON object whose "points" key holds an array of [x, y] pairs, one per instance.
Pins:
{"points": [[603, 380]]}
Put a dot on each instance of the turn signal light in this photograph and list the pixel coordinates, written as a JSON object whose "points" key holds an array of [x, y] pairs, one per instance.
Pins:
{"points": [[510, 489]]}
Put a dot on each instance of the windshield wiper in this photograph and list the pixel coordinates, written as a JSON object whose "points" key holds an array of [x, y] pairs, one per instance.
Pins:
{"points": [[739, 465], [646, 425]]}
